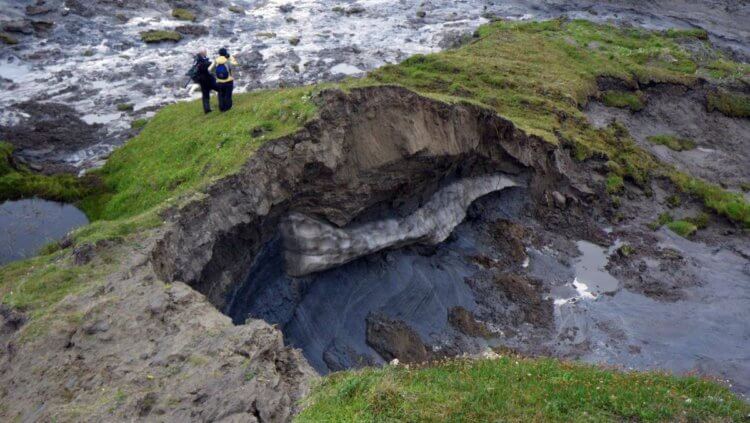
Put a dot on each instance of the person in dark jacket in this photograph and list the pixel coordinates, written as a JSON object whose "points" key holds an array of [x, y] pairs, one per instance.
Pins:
{"points": [[205, 78], [222, 67]]}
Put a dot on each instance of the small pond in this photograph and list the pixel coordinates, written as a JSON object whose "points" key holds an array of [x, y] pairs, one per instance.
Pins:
{"points": [[28, 225]]}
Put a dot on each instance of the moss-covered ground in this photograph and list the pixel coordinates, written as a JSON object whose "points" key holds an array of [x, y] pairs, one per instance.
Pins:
{"points": [[519, 390], [16, 181], [539, 75]]}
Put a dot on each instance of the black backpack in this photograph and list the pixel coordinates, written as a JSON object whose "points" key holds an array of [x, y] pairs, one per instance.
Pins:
{"points": [[193, 72]]}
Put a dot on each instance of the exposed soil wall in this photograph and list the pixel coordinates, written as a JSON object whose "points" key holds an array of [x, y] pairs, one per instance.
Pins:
{"points": [[372, 147]]}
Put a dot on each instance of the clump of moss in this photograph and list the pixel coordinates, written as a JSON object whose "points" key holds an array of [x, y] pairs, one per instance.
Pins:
{"points": [[18, 182], [682, 228], [729, 204], [626, 250], [125, 107], [623, 100], [673, 142], [729, 103], [8, 39], [236, 9], [700, 221], [614, 184], [698, 33], [745, 186], [158, 36], [662, 220], [183, 14], [138, 124], [674, 201]]}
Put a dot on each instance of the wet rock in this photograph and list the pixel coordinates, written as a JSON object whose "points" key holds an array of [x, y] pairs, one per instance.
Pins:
{"points": [[38, 10], [236, 9], [83, 254], [99, 326], [464, 322], [19, 26], [395, 339], [51, 131], [42, 26], [560, 199], [294, 41], [286, 8], [192, 30]]}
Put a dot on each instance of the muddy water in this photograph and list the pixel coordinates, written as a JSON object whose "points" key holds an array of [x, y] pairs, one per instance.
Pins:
{"points": [[28, 225], [706, 332]]}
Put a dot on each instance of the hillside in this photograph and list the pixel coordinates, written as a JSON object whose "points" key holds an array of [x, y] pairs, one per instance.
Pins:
{"points": [[186, 206]]}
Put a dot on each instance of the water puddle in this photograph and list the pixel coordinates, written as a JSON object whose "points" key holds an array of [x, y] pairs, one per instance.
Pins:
{"points": [[592, 279], [28, 225]]}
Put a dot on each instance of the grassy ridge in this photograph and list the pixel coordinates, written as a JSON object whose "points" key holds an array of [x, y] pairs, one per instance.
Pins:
{"points": [[517, 389], [182, 150]]}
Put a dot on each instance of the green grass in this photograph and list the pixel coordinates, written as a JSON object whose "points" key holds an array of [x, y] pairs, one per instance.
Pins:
{"points": [[182, 150], [623, 100], [698, 33], [183, 14], [517, 389], [158, 36], [18, 182], [614, 184], [672, 142], [729, 103], [682, 228], [731, 205], [139, 123]]}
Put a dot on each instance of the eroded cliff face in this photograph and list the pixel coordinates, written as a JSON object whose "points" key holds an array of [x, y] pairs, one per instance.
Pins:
{"points": [[371, 149]]}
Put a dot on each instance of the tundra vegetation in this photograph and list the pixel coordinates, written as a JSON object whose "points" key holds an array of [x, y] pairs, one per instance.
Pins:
{"points": [[539, 75]]}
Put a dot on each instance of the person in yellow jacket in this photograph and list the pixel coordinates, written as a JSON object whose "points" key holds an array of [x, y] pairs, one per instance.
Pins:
{"points": [[222, 68]]}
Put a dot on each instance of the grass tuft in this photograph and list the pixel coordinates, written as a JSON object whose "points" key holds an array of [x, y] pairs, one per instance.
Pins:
{"points": [[623, 100], [158, 36], [673, 142], [183, 14], [682, 228], [614, 184], [729, 103]]}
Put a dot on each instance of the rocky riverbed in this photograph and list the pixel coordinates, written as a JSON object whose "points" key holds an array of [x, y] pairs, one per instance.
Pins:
{"points": [[86, 61]]}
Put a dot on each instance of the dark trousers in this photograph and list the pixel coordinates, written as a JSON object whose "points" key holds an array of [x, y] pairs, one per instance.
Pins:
{"points": [[206, 88], [225, 95]]}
